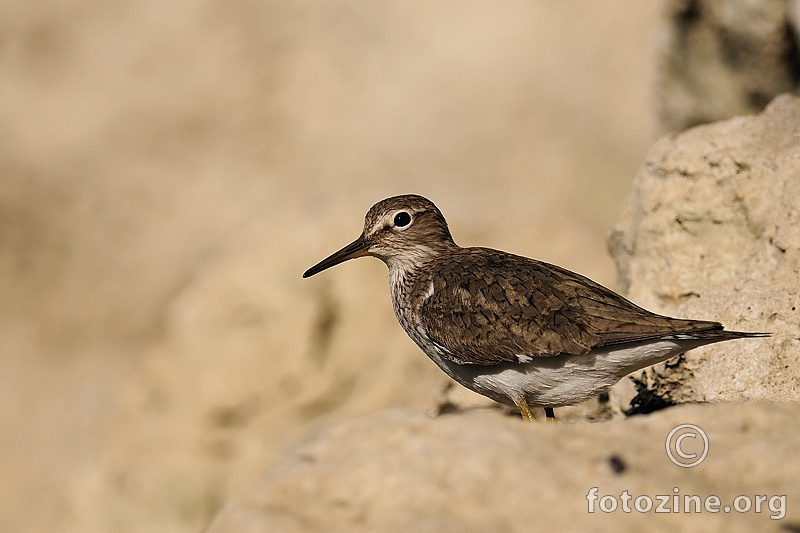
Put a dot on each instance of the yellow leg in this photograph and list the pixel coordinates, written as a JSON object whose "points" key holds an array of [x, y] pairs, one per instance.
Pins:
{"points": [[524, 410]]}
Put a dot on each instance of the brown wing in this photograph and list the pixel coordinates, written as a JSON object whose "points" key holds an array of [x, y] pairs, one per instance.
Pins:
{"points": [[490, 307]]}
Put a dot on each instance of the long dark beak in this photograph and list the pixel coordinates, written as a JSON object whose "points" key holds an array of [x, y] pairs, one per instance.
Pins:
{"points": [[357, 248]]}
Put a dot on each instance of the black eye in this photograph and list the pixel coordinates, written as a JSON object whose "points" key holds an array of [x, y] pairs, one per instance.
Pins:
{"points": [[402, 219]]}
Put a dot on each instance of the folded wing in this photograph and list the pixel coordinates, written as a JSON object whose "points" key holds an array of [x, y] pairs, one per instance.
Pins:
{"points": [[490, 308]]}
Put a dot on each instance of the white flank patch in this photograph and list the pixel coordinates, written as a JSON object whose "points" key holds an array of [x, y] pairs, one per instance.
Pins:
{"points": [[430, 291], [524, 358]]}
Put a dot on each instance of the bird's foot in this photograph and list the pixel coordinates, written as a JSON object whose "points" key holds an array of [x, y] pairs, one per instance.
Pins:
{"points": [[524, 410]]}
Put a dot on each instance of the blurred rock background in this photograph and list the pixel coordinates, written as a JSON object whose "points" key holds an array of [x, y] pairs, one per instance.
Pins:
{"points": [[720, 58], [169, 169]]}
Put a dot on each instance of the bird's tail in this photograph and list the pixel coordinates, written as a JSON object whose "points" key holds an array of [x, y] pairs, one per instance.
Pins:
{"points": [[722, 335]]}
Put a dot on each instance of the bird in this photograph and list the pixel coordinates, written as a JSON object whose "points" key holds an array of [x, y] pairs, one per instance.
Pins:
{"points": [[523, 332]]}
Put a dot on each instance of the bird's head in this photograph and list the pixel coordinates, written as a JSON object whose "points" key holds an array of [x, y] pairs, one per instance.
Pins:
{"points": [[402, 231]]}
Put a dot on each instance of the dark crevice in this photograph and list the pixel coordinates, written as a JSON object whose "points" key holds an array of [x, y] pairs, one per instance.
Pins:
{"points": [[792, 54], [689, 15], [647, 400], [617, 464]]}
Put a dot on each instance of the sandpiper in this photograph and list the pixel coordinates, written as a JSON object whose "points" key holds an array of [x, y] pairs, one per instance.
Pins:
{"points": [[519, 331]]}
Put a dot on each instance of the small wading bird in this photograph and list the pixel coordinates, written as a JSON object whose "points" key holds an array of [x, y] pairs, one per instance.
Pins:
{"points": [[519, 331]]}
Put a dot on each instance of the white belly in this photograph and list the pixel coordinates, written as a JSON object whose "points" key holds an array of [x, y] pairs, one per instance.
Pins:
{"points": [[561, 380]]}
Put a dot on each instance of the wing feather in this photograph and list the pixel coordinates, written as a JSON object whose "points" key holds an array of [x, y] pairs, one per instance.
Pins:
{"points": [[490, 307]]}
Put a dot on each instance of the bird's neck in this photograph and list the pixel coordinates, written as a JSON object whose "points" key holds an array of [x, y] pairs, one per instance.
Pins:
{"points": [[407, 273], [414, 257]]}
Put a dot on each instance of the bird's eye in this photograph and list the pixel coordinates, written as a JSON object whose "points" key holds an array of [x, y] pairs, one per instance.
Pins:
{"points": [[402, 219]]}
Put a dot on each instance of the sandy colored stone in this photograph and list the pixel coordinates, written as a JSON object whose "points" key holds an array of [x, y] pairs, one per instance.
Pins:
{"points": [[721, 58], [398, 471], [710, 231]]}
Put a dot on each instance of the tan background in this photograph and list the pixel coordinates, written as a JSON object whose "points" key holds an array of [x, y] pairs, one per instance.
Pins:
{"points": [[169, 169]]}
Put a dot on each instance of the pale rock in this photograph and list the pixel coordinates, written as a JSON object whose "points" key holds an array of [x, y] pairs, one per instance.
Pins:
{"points": [[710, 231], [400, 471]]}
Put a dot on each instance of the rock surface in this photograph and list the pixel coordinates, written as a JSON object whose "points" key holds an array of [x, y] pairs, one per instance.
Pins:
{"points": [[721, 58], [711, 230], [400, 471]]}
